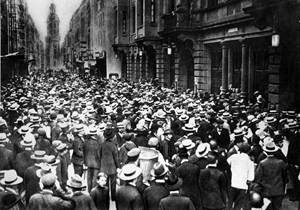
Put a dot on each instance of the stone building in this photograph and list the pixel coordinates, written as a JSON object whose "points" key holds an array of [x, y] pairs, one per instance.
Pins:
{"points": [[203, 45], [52, 40]]}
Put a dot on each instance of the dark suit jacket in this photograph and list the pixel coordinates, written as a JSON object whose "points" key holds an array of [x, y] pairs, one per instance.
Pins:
{"points": [[23, 161], [255, 151], [200, 162], [176, 202], [43, 144], [6, 159], [129, 198], [272, 174], [77, 156], [55, 131], [45, 200], [190, 173], [31, 182], [100, 196], [203, 129], [223, 139], [212, 183], [141, 140], [153, 194], [109, 160], [83, 201], [91, 149], [294, 149], [62, 170]]}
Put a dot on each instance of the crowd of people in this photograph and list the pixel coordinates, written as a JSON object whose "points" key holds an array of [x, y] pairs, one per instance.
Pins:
{"points": [[142, 146]]}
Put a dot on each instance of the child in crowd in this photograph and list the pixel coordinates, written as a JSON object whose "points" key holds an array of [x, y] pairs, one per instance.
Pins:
{"points": [[100, 193]]}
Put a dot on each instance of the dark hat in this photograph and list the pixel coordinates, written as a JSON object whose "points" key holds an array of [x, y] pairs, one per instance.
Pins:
{"points": [[134, 152], [9, 200], [159, 169], [108, 133], [127, 136], [76, 182], [173, 182], [219, 121], [129, 172], [277, 138]]}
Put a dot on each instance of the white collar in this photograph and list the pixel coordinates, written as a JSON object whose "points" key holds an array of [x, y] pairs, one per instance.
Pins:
{"points": [[211, 165], [174, 192]]}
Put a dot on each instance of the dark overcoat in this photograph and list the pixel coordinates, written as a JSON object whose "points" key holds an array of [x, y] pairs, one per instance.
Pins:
{"points": [[129, 198]]}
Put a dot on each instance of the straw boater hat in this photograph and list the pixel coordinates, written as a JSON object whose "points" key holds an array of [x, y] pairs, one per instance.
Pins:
{"points": [[27, 141], [292, 125], [76, 182], [188, 127], [38, 155], [45, 169], [129, 172], [11, 178], [270, 147], [188, 144], [3, 138], [24, 129], [270, 119], [79, 128], [202, 150], [50, 160]]}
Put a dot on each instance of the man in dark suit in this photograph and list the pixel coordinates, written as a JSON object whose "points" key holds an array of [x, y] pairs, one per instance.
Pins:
{"points": [[189, 174], [212, 183], [175, 200], [91, 147], [272, 174], [6, 155], [62, 167], [109, 159], [46, 200], [204, 127], [77, 156], [127, 195], [153, 194], [221, 135]]}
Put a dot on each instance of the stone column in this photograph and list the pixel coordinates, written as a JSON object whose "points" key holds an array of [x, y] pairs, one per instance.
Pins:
{"points": [[224, 68], [230, 65], [244, 75]]}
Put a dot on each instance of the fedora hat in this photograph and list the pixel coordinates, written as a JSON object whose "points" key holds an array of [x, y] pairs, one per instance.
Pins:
{"points": [[173, 182], [50, 160], [35, 119], [76, 182], [270, 146], [160, 114], [188, 127], [3, 138], [24, 129], [45, 169], [27, 141], [102, 126], [129, 172], [159, 169], [11, 178], [108, 133], [202, 150], [270, 119], [38, 155], [8, 200], [188, 144]]}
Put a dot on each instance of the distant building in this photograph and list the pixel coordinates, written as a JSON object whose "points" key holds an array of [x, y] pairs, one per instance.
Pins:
{"points": [[52, 40]]}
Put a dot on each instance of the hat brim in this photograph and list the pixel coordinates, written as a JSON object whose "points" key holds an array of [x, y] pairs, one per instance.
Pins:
{"points": [[174, 186], [190, 130], [22, 143], [55, 163], [18, 181], [276, 148], [36, 158], [133, 176], [69, 184]]}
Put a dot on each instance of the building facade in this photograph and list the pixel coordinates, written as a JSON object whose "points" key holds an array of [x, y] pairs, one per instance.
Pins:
{"points": [[205, 45], [52, 40], [21, 45]]}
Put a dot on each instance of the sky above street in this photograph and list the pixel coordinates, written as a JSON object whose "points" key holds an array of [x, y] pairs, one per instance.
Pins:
{"points": [[39, 11]]}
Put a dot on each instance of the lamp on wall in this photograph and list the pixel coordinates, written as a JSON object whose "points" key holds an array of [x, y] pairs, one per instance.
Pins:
{"points": [[141, 52], [169, 50]]}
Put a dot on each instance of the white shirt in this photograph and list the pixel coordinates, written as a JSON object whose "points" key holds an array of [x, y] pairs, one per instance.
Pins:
{"points": [[242, 169]]}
